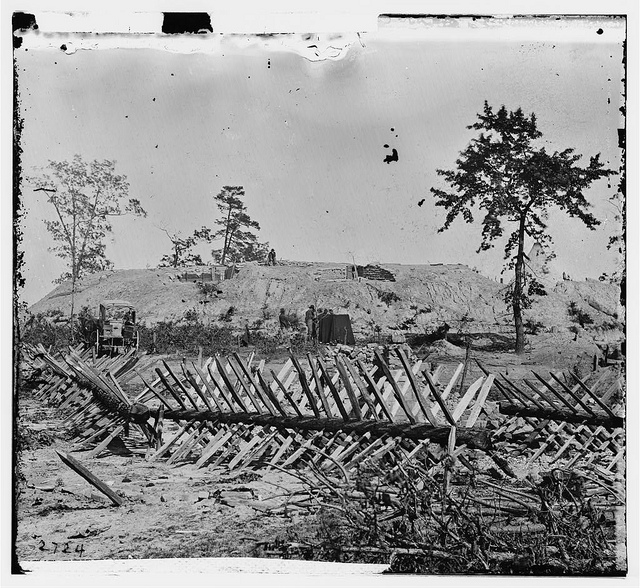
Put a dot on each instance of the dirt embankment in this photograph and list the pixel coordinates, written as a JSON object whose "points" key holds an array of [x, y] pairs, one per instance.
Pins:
{"points": [[422, 298]]}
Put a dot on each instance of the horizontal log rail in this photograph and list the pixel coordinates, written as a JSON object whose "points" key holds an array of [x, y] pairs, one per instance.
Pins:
{"points": [[474, 438], [604, 420]]}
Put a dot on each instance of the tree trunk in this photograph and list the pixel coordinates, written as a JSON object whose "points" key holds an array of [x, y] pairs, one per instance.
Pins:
{"points": [[518, 289], [226, 236], [73, 302]]}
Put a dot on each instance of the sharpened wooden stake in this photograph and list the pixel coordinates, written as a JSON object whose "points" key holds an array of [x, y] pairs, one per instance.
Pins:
{"points": [[414, 386], [220, 387], [79, 469], [105, 442], [181, 385], [229, 385], [375, 391], [439, 400], [319, 389], [355, 405], [362, 388], [305, 386], [286, 393], [334, 391]]}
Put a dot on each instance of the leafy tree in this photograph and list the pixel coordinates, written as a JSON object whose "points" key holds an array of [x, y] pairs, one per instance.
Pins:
{"points": [[515, 181], [85, 197], [239, 242], [181, 254]]}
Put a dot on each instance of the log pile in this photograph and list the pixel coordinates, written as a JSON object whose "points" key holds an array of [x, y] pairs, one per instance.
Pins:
{"points": [[375, 272]]}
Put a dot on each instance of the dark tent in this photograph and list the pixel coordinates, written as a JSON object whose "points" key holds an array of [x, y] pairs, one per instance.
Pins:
{"points": [[335, 328]]}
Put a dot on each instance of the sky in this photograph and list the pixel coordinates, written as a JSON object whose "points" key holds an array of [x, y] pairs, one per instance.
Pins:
{"points": [[305, 136]]}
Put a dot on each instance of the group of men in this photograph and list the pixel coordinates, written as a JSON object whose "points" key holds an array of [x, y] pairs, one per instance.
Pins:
{"points": [[312, 320]]}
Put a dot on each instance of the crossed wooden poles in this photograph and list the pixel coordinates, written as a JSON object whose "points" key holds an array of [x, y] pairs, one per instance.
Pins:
{"points": [[560, 417], [333, 414]]}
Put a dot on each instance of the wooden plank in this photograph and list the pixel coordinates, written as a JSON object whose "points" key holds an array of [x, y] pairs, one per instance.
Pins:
{"points": [[247, 388], [255, 440], [593, 396], [348, 448], [194, 384], [362, 388], [169, 389], [375, 391], [157, 394], [572, 394], [158, 427], [548, 442], [169, 444], [305, 387], [285, 445], [585, 447], [573, 440], [257, 452], [272, 397], [247, 372], [519, 392], [186, 445], [209, 388], [302, 449], [319, 390], [414, 386], [439, 400], [219, 439], [555, 392], [228, 449], [219, 387], [286, 394], [77, 467], [328, 444], [375, 452], [98, 450], [466, 399], [333, 383], [394, 386], [181, 385], [120, 390], [482, 397], [445, 393], [92, 437], [544, 397], [344, 376], [229, 385]]}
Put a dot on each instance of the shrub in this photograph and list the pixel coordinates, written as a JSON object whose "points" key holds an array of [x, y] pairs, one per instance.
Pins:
{"points": [[207, 289], [578, 315], [186, 337], [536, 288], [46, 328], [533, 327], [227, 316], [388, 297]]}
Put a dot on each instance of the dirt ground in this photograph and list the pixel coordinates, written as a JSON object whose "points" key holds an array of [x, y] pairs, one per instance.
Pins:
{"points": [[167, 511]]}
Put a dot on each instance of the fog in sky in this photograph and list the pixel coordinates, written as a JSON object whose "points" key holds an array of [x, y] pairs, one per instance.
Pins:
{"points": [[306, 137]]}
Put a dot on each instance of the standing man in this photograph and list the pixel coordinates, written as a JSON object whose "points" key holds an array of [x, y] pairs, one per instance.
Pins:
{"points": [[272, 253], [310, 320], [284, 321]]}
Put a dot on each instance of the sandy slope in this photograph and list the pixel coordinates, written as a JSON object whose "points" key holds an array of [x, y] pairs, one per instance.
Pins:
{"points": [[423, 297]]}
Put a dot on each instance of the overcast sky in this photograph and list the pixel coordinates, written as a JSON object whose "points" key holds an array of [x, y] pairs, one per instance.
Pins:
{"points": [[306, 137]]}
